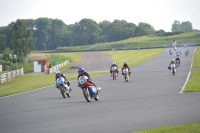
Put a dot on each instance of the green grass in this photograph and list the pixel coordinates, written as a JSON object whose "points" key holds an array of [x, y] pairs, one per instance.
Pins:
{"points": [[196, 58], [194, 80], [133, 57], [193, 84], [143, 41], [187, 128]]}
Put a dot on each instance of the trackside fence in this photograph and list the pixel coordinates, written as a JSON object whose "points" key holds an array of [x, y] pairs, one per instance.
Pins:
{"points": [[53, 69], [11, 75]]}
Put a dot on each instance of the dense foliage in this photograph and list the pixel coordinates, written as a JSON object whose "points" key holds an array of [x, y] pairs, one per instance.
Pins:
{"points": [[25, 35]]}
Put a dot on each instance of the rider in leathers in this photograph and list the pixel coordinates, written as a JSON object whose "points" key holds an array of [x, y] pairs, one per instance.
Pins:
{"points": [[113, 64], [126, 66], [81, 72]]}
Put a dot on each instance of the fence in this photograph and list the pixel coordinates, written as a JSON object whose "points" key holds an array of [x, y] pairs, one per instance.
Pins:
{"points": [[53, 69], [10, 75]]}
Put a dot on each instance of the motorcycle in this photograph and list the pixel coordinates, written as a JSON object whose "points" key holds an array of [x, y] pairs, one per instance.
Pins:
{"points": [[126, 74], [114, 72], [173, 67], [177, 63], [89, 91], [186, 53], [64, 88]]}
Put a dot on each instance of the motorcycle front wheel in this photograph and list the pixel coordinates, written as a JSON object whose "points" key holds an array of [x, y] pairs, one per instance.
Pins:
{"points": [[86, 94]]}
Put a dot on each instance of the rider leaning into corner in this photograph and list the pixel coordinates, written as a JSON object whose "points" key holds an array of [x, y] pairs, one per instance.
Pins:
{"points": [[126, 66], [81, 72], [113, 64], [58, 74]]}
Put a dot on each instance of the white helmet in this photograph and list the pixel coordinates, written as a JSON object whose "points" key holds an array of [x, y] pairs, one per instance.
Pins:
{"points": [[173, 60], [113, 63], [57, 72]]}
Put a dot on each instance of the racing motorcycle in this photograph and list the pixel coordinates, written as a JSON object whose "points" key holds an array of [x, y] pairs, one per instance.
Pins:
{"points": [[89, 90], [126, 74], [186, 53], [64, 88], [177, 63], [173, 68], [114, 72]]}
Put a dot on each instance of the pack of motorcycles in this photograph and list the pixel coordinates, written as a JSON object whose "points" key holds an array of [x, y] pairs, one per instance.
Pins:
{"points": [[91, 92]]}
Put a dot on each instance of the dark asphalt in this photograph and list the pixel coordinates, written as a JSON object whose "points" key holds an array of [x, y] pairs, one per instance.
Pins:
{"points": [[151, 98]]}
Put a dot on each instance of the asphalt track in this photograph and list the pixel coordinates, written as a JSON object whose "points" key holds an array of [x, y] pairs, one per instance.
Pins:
{"points": [[151, 98]]}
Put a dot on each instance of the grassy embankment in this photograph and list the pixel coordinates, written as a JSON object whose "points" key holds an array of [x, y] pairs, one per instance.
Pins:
{"points": [[139, 42], [29, 82], [194, 80]]}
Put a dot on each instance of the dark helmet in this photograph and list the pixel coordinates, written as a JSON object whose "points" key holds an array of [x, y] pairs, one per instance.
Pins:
{"points": [[125, 64], [80, 70]]}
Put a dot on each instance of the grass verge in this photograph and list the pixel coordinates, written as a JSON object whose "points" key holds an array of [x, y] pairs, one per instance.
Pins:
{"points": [[133, 57], [196, 58], [187, 128], [194, 80]]}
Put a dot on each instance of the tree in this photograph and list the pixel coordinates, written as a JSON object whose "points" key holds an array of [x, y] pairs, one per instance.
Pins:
{"points": [[186, 26], [6, 53], [144, 29], [176, 26], [23, 40]]}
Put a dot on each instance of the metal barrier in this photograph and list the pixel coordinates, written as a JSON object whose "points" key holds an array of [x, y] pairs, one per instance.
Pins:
{"points": [[11, 75], [53, 69]]}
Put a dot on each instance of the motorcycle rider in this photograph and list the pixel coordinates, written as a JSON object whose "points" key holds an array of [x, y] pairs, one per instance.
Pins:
{"points": [[177, 54], [58, 75], [178, 59], [113, 64], [126, 66], [172, 62], [81, 72]]}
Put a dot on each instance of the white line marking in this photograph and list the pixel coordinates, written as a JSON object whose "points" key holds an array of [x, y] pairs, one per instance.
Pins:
{"points": [[188, 73], [26, 92]]}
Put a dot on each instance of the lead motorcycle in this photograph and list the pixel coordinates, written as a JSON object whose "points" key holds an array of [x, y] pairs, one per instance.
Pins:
{"points": [[173, 68], [114, 72], [89, 90], [64, 88], [126, 74]]}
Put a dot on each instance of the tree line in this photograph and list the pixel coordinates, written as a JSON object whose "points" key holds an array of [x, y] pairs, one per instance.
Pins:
{"points": [[25, 35]]}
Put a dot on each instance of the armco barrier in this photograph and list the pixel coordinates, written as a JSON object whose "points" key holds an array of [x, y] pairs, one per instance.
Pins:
{"points": [[11, 75]]}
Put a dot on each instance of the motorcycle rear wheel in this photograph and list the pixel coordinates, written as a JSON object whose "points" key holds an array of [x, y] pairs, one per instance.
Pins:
{"points": [[63, 92]]}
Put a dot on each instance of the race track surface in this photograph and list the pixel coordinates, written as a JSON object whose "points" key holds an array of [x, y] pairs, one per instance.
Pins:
{"points": [[151, 98]]}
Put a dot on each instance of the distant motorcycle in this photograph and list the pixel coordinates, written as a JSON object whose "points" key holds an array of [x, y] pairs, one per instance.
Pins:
{"points": [[64, 88], [186, 53], [114, 72], [89, 92], [126, 74]]}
